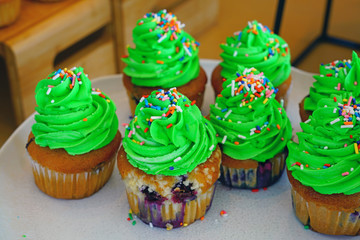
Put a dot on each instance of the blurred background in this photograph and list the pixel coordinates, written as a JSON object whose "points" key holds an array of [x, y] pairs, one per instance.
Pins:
{"points": [[44, 35]]}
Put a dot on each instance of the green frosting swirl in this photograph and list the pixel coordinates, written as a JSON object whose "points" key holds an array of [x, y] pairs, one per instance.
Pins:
{"points": [[164, 55], [71, 115], [338, 77], [327, 156], [256, 46], [250, 123], [168, 135]]}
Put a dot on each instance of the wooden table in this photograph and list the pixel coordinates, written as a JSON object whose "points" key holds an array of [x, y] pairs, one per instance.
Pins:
{"points": [[46, 36]]}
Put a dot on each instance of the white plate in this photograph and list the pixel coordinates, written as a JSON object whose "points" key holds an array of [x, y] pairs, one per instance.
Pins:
{"points": [[27, 213]]}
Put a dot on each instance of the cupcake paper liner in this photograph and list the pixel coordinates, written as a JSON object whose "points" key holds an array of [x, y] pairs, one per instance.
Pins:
{"points": [[169, 214], [324, 220], [264, 175], [72, 185]]}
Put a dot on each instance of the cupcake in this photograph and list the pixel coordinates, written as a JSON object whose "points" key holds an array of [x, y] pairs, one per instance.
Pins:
{"points": [[9, 11], [256, 46], [164, 56], [337, 77], [169, 160], [323, 168], [73, 143], [252, 130]]}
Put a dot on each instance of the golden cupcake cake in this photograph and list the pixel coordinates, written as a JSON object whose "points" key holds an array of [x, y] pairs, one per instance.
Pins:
{"points": [[169, 160], [256, 46], [164, 56], [324, 169], [252, 130], [74, 140]]}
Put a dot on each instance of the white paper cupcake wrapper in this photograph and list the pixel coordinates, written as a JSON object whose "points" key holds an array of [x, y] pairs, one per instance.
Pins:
{"points": [[71, 185], [321, 219]]}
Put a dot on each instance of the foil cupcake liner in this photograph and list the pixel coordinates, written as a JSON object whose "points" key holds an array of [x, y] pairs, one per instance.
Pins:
{"points": [[170, 214], [72, 185], [324, 220], [266, 174]]}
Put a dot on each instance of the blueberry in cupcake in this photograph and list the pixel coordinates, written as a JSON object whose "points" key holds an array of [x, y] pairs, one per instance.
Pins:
{"points": [[169, 160]]}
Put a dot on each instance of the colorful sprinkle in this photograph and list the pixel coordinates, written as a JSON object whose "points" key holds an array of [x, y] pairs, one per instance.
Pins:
{"points": [[223, 213], [335, 121], [348, 65], [162, 38], [356, 148], [130, 133], [227, 114], [169, 226], [241, 136], [347, 126]]}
